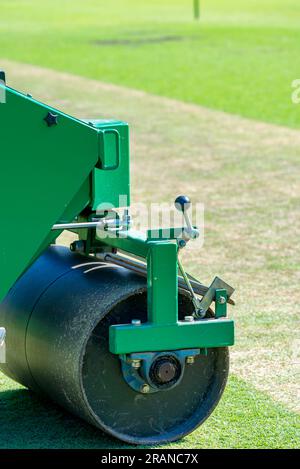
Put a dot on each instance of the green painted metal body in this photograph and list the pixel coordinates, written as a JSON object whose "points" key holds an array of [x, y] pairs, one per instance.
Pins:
{"points": [[49, 175], [54, 174], [208, 333], [111, 176]]}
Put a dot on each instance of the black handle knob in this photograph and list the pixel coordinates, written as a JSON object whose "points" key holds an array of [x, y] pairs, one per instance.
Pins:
{"points": [[182, 203]]}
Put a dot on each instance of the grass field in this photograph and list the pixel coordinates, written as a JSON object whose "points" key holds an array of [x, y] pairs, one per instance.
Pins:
{"points": [[172, 79], [29, 422], [241, 57]]}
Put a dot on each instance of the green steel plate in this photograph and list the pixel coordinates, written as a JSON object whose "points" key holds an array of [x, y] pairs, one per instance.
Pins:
{"points": [[42, 171]]}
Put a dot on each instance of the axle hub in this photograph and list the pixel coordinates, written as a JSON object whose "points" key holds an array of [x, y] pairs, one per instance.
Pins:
{"points": [[165, 371], [160, 371]]}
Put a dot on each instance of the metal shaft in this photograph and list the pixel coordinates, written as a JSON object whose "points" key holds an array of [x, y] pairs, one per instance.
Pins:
{"points": [[99, 224], [76, 226]]}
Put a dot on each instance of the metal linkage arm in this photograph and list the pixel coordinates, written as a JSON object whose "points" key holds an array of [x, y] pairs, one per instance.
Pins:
{"points": [[163, 330]]}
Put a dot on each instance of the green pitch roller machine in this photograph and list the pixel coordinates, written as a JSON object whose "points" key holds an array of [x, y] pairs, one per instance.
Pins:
{"points": [[112, 329]]}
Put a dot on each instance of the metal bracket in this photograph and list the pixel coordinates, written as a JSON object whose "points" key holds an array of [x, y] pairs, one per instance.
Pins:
{"points": [[210, 295], [221, 303], [136, 368]]}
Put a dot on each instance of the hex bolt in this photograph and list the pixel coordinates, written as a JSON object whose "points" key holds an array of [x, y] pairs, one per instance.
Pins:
{"points": [[190, 360], [145, 388], [136, 364], [222, 300], [201, 313], [189, 318], [181, 243], [136, 322], [51, 119]]}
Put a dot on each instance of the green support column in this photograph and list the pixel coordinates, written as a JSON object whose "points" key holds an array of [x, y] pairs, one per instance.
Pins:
{"points": [[162, 283], [163, 331]]}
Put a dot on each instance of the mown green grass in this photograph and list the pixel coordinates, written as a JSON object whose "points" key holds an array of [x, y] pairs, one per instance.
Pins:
{"points": [[241, 57], [245, 418]]}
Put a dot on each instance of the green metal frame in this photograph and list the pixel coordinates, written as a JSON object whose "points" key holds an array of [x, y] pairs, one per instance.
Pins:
{"points": [[163, 337], [163, 330], [58, 172], [50, 175]]}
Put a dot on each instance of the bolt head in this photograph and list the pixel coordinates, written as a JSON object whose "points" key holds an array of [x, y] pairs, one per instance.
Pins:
{"points": [[189, 318], [200, 313], [181, 243], [222, 300], [136, 322], [51, 119], [195, 234], [190, 360], [145, 388], [136, 364]]}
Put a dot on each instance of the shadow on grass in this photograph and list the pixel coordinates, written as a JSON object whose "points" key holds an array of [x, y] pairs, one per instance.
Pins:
{"points": [[245, 418], [28, 421]]}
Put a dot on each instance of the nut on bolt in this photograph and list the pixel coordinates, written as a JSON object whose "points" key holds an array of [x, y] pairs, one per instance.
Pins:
{"points": [[222, 300], [145, 388], [190, 360], [181, 243], [136, 364]]}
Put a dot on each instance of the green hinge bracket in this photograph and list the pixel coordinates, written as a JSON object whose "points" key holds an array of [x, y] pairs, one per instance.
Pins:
{"points": [[221, 297]]}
